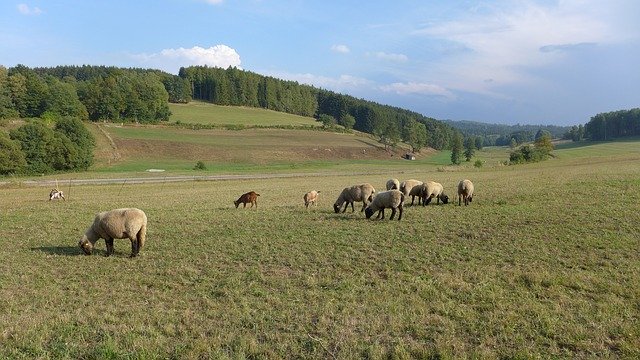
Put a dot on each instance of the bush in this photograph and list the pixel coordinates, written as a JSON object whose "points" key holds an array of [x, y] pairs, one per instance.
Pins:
{"points": [[200, 166], [478, 163], [11, 156]]}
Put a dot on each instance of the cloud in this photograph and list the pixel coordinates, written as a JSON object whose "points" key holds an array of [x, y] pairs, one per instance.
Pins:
{"points": [[340, 49], [343, 82], [25, 9], [172, 59], [508, 41], [214, 2], [418, 88], [391, 57]]}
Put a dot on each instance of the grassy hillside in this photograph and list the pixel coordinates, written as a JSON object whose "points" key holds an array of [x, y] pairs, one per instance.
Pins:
{"points": [[205, 113], [543, 264]]}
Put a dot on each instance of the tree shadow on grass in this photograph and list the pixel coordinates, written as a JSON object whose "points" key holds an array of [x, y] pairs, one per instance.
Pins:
{"points": [[59, 250]]}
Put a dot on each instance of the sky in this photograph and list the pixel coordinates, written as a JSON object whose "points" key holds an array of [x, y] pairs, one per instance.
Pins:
{"points": [[551, 62]]}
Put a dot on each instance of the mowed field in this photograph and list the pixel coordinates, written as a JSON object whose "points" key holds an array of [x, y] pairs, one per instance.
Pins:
{"points": [[544, 263]]}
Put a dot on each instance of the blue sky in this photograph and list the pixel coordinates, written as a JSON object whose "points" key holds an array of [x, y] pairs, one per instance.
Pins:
{"points": [[518, 61]]}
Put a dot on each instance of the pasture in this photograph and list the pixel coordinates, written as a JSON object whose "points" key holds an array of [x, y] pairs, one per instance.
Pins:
{"points": [[543, 263]]}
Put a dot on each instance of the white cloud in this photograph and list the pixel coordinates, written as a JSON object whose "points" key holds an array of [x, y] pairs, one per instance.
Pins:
{"points": [[25, 9], [344, 49], [504, 43], [418, 88], [343, 82], [172, 59], [391, 57]]}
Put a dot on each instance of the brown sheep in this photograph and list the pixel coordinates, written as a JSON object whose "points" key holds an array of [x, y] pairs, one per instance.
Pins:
{"points": [[311, 198], [250, 197]]}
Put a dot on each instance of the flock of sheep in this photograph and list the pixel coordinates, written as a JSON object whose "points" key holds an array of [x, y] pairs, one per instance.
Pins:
{"points": [[131, 223]]}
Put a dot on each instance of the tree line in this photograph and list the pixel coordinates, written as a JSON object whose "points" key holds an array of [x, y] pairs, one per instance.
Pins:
{"points": [[389, 124], [614, 124]]}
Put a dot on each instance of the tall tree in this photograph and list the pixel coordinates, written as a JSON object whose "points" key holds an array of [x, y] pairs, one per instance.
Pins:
{"points": [[456, 149]]}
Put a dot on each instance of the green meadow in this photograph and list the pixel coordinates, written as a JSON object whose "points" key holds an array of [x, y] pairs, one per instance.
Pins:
{"points": [[544, 263]]}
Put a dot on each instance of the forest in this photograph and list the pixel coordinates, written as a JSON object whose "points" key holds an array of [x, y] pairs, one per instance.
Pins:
{"points": [[613, 125]]}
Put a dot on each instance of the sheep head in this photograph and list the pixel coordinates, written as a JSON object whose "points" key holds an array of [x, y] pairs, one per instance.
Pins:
{"points": [[444, 198], [236, 203], [336, 208], [368, 212], [86, 246]]}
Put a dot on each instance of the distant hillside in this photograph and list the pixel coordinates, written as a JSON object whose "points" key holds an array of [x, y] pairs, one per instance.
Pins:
{"points": [[501, 134]]}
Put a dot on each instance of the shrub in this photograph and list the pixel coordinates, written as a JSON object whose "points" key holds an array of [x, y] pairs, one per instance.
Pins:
{"points": [[478, 163], [11, 156], [200, 166]]}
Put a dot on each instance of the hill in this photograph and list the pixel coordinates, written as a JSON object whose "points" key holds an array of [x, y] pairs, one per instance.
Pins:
{"points": [[500, 134]]}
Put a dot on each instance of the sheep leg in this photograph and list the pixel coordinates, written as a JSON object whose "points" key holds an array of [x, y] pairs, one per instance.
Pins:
{"points": [[135, 247], [353, 209], [109, 243], [393, 213], [400, 212], [427, 200]]}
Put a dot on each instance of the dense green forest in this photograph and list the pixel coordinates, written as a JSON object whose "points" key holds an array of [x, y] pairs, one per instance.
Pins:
{"points": [[614, 124]]}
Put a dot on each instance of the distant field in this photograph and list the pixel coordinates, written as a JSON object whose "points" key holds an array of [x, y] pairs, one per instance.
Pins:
{"points": [[205, 113], [543, 264]]}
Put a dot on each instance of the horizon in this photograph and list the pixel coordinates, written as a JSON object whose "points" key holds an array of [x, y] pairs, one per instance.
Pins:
{"points": [[501, 62]]}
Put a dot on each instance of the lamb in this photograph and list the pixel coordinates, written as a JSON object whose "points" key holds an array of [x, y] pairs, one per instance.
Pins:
{"points": [[407, 185], [363, 192], [393, 184], [419, 191], [393, 199], [56, 194], [434, 190], [465, 192], [246, 198], [129, 223], [311, 198]]}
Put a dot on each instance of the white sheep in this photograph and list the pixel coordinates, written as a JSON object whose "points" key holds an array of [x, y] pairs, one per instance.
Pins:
{"points": [[434, 190], [56, 194], [363, 192], [311, 198], [407, 185], [129, 223], [465, 192], [393, 199], [393, 184]]}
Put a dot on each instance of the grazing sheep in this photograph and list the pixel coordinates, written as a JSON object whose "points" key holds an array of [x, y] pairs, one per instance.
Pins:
{"points": [[56, 194], [407, 185], [250, 197], [465, 192], [418, 191], [363, 192], [434, 190], [393, 184], [311, 198], [128, 223], [393, 199]]}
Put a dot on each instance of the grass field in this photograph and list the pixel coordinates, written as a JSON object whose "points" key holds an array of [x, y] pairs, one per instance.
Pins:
{"points": [[543, 264], [206, 113]]}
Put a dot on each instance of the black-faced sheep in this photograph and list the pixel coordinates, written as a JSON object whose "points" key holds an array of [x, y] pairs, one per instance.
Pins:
{"points": [[130, 223], [418, 191], [393, 199], [465, 192], [311, 198], [434, 190], [362, 192], [407, 185], [393, 184], [246, 198]]}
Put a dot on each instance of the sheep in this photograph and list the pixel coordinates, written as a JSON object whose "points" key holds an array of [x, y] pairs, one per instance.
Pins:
{"points": [[407, 185], [465, 192], [393, 184], [129, 223], [250, 197], [434, 190], [393, 199], [311, 198], [419, 191], [363, 192], [56, 194]]}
